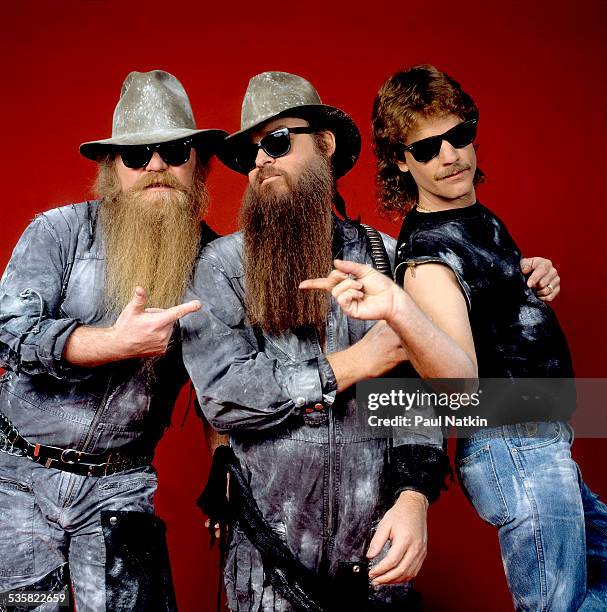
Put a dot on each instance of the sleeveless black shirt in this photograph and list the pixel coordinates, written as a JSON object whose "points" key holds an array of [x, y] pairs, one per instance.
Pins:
{"points": [[516, 335]]}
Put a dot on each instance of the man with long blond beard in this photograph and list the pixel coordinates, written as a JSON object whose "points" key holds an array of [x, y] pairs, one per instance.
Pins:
{"points": [[88, 306]]}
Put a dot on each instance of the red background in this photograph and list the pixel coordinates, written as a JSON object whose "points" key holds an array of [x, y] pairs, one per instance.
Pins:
{"points": [[537, 71]]}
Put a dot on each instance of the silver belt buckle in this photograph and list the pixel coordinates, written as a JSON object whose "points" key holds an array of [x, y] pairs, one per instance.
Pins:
{"points": [[64, 459]]}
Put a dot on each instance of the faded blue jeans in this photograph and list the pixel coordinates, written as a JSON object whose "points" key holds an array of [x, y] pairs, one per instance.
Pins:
{"points": [[49, 518], [552, 529]]}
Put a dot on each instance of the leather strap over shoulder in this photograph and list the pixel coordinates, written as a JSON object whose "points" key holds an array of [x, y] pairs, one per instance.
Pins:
{"points": [[379, 255]]}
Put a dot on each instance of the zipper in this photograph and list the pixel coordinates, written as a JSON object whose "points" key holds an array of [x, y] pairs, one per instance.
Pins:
{"points": [[107, 398], [83, 447], [331, 481], [412, 263], [411, 266], [328, 527]]}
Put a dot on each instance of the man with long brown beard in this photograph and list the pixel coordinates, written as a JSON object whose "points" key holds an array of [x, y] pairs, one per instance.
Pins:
{"points": [[88, 306], [275, 367]]}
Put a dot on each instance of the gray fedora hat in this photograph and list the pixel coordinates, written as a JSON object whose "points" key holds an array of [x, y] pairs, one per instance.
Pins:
{"points": [[280, 94], [153, 107]]}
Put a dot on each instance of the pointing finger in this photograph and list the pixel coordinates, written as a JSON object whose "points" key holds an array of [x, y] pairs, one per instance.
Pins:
{"points": [[334, 278], [318, 283], [345, 286], [176, 312]]}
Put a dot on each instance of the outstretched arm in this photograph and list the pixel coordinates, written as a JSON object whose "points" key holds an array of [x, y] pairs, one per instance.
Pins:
{"points": [[37, 338], [431, 318], [241, 381], [379, 351]]}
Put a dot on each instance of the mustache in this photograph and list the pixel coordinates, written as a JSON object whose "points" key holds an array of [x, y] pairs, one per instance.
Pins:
{"points": [[453, 169], [265, 173], [157, 179]]}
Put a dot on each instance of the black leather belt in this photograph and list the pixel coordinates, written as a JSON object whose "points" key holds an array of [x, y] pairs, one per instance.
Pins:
{"points": [[70, 459]]}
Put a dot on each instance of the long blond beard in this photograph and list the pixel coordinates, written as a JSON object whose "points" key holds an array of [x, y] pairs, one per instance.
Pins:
{"points": [[151, 238]]}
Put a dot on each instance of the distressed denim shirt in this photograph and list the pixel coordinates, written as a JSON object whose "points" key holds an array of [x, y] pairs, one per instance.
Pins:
{"points": [[318, 477], [53, 283]]}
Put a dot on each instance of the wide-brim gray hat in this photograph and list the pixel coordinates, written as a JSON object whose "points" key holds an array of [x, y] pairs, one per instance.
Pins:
{"points": [[153, 107], [279, 94]]}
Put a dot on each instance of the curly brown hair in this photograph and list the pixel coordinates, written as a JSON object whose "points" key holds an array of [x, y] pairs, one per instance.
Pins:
{"points": [[421, 91]]}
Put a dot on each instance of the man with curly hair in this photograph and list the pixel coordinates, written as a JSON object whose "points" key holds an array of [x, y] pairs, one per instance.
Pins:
{"points": [[461, 269]]}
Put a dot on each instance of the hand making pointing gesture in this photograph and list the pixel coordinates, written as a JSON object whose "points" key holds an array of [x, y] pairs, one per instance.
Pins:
{"points": [[137, 332]]}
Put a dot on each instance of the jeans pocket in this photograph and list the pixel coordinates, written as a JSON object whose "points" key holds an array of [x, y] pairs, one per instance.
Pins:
{"points": [[479, 480], [16, 527], [536, 434]]}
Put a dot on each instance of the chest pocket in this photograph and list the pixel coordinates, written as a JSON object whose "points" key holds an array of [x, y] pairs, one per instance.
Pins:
{"points": [[83, 296], [295, 346]]}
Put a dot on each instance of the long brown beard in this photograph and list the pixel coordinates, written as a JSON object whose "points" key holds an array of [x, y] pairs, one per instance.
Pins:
{"points": [[288, 238], [151, 238]]}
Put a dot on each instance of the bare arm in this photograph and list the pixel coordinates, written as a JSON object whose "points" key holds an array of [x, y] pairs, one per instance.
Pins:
{"points": [[438, 342], [378, 352], [434, 324]]}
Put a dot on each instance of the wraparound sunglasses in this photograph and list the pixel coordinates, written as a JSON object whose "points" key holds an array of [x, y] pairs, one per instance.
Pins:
{"points": [[459, 136], [174, 153], [275, 144]]}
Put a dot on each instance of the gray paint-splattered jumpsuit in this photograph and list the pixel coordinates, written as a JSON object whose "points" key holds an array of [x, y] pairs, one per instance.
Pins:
{"points": [[318, 479], [53, 283]]}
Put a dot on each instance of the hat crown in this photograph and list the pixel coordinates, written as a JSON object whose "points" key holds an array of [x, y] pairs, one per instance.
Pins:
{"points": [[280, 94], [153, 108], [152, 102], [271, 93]]}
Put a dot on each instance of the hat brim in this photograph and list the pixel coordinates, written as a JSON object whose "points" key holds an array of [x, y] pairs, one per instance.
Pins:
{"points": [[322, 116], [96, 149]]}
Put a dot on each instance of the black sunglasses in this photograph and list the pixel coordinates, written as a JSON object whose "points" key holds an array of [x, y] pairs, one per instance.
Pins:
{"points": [[275, 144], [458, 137], [174, 153]]}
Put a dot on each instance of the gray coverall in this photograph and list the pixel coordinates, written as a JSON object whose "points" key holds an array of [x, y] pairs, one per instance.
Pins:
{"points": [[52, 519], [317, 477]]}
